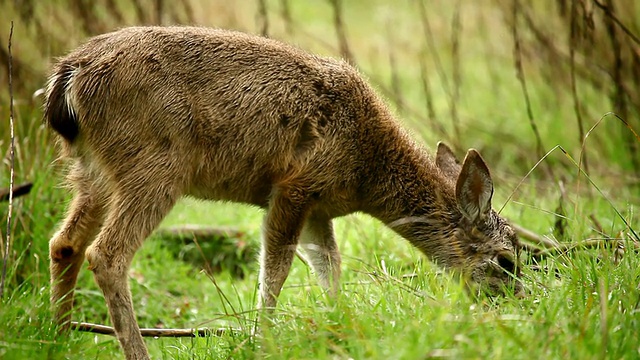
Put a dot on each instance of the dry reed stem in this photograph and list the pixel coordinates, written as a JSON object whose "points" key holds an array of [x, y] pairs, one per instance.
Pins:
{"points": [[456, 26], [263, 18], [573, 37], [12, 145], [285, 12], [343, 43], [396, 86], [141, 13], [517, 55], [619, 95], [609, 13], [114, 11], [426, 88], [430, 44], [159, 10]]}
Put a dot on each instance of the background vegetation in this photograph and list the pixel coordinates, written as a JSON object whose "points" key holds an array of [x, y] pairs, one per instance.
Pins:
{"points": [[514, 79]]}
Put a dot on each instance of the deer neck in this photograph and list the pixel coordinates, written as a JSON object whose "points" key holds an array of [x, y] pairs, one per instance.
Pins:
{"points": [[414, 198]]}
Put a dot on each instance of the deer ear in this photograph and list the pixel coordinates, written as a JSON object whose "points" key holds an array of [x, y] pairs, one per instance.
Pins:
{"points": [[446, 161], [474, 187]]}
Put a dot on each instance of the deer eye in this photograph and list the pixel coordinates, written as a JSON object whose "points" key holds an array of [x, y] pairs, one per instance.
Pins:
{"points": [[506, 263]]}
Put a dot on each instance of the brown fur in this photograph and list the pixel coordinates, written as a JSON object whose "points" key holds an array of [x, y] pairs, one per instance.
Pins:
{"points": [[151, 114]]}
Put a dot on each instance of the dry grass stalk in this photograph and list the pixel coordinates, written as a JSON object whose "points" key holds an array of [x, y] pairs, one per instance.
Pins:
{"points": [[517, 55], [7, 238], [345, 51], [573, 38], [456, 26], [396, 86], [285, 12], [434, 124], [159, 10], [263, 18], [431, 46]]}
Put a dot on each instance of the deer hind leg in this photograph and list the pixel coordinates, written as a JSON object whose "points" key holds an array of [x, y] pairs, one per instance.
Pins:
{"points": [[318, 241], [67, 246], [139, 204], [283, 222]]}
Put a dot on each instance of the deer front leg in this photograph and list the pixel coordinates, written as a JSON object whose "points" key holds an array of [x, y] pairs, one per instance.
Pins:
{"points": [[283, 222]]}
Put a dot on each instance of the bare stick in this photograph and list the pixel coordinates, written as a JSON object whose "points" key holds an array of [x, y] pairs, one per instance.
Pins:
{"points": [[141, 12], [426, 88], [108, 330], [551, 246], [456, 25], [286, 16], [263, 17], [395, 78], [159, 7], [576, 102], [345, 52], [619, 96], [607, 10], [428, 36], [11, 161], [591, 244], [113, 11], [535, 238], [517, 56]]}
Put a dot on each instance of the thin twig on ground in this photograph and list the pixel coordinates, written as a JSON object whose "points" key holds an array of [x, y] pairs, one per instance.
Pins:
{"points": [[535, 238], [108, 330], [540, 245]]}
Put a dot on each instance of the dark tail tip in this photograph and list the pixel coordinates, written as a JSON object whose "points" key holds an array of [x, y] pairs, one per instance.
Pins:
{"points": [[57, 113]]}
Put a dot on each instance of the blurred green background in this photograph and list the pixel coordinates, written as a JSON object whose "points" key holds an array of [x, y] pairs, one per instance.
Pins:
{"points": [[513, 79]]}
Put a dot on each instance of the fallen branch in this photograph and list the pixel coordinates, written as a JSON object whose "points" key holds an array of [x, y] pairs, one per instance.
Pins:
{"points": [[108, 330], [535, 238], [592, 244], [551, 246]]}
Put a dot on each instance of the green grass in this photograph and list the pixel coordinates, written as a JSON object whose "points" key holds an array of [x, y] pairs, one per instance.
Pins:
{"points": [[394, 304]]}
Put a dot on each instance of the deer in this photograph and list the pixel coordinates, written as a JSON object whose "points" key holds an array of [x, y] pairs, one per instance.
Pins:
{"points": [[148, 115]]}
